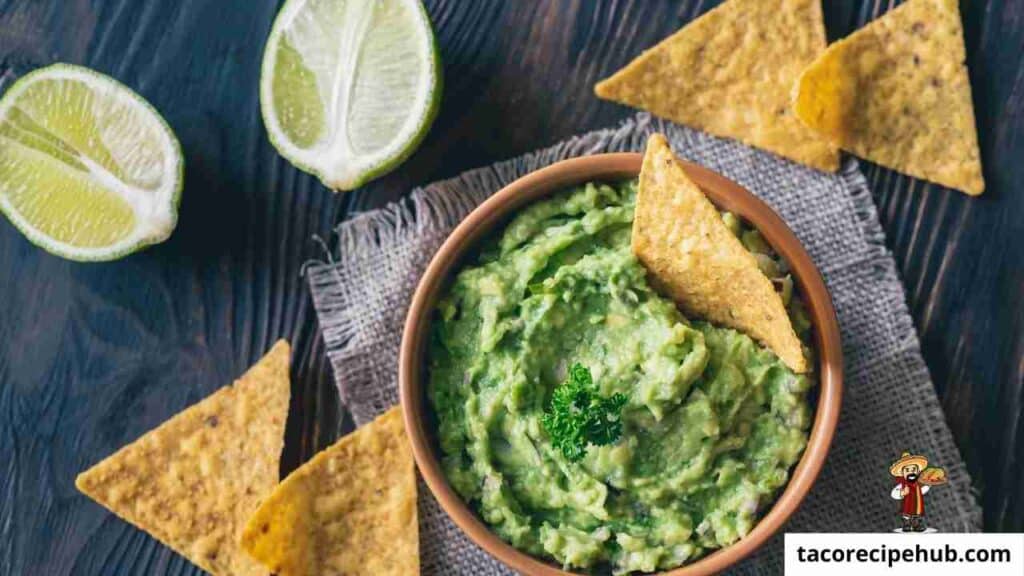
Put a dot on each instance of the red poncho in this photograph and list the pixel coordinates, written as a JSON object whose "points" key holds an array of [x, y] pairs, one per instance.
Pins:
{"points": [[913, 503]]}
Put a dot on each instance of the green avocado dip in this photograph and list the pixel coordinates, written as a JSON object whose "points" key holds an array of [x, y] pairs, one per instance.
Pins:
{"points": [[711, 422]]}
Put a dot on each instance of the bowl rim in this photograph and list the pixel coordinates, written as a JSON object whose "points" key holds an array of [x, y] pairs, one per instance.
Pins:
{"points": [[535, 185]]}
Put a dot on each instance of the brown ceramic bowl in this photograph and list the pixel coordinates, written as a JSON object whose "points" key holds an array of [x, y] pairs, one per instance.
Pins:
{"points": [[608, 167]]}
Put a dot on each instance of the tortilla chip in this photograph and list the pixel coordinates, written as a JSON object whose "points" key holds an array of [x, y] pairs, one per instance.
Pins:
{"points": [[349, 510], [933, 476], [896, 92], [731, 73], [194, 480], [690, 254]]}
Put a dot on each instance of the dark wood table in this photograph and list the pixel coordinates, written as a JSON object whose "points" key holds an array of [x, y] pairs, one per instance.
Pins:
{"points": [[93, 355]]}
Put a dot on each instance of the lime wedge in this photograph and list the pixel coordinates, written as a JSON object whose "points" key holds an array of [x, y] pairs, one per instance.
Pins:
{"points": [[349, 88], [88, 169]]}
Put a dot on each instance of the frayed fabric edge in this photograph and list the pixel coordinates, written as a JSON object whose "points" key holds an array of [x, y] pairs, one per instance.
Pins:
{"points": [[867, 214]]}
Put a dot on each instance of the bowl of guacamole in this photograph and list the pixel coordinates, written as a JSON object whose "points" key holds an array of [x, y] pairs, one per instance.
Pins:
{"points": [[569, 415]]}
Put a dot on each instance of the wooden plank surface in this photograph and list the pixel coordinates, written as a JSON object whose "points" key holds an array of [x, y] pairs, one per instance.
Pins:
{"points": [[91, 356]]}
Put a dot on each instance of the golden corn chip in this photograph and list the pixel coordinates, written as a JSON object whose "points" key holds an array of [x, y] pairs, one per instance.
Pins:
{"points": [[349, 510], [194, 480], [731, 73], [933, 476], [689, 253], [896, 92]]}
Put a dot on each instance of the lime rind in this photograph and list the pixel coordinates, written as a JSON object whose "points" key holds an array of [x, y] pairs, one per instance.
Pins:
{"points": [[366, 168], [154, 227]]}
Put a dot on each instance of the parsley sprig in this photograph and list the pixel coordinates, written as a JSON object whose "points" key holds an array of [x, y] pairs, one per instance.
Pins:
{"points": [[578, 416]]}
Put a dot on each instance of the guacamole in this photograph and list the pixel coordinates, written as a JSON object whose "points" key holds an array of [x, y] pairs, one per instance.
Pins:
{"points": [[712, 421]]}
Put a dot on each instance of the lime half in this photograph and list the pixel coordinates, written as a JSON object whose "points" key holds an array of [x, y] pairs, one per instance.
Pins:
{"points": [[88, 169], [349, 87]]}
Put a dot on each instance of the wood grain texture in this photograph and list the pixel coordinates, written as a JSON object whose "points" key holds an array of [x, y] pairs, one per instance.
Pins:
{"points": [[91, 356]]}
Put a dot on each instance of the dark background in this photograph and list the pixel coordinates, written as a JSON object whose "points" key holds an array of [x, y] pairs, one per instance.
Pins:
{"points": [[94, 355]]}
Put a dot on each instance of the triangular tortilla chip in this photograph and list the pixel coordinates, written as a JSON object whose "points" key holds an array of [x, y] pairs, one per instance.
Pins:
{"points": [[350, 510], [731, 73], [896, 92], [680, 237], [194, 480]]}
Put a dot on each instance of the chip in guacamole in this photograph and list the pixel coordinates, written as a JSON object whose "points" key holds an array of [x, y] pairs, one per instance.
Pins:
{"points": [[684, 243]]}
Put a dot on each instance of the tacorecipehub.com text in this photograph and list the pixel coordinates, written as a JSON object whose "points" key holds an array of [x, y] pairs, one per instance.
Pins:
{"points": [[919, 553]]}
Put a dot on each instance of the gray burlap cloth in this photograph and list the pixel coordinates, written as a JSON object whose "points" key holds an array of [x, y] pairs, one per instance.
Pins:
{"points": [[362, 292]]}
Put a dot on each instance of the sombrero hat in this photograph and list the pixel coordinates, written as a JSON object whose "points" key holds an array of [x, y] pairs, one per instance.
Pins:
{"points": [[907, 459]]}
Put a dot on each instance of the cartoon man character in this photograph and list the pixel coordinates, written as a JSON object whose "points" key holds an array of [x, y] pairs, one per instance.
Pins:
{"points": [[910, 490]]}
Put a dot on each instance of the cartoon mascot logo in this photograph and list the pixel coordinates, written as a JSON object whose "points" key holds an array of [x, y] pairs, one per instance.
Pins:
{"points": [[914, 478]]}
